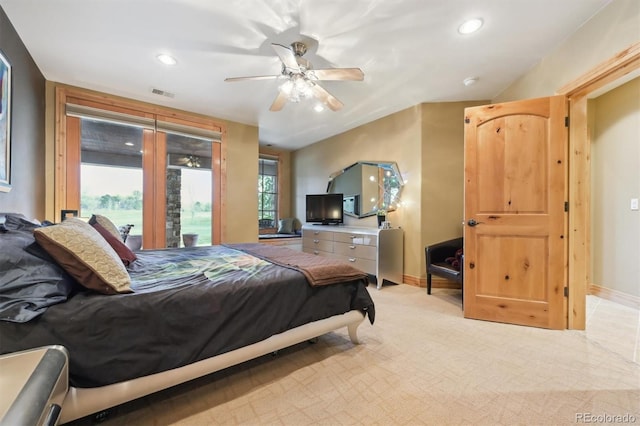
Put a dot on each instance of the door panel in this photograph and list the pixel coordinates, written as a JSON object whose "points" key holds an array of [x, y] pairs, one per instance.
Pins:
{"points": [[514, 175], [515, 189], [111, 172], [188, 189], [516, 251]]}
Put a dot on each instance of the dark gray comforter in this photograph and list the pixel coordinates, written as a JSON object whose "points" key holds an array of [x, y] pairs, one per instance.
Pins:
{"points": [[188, 305]]}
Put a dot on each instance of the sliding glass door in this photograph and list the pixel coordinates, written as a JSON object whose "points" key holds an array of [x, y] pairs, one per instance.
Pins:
{"points": [[188, 191], [159, 173], [111, 172]]}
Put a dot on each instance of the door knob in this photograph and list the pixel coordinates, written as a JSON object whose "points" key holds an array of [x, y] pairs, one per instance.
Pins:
{"points": [[472, 222]]}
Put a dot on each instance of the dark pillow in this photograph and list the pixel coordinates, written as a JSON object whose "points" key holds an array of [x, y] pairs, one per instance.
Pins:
{"points": [[106, 223], [285, 226], [28, 283], [18, 222], [124, 252], [35, 249]]}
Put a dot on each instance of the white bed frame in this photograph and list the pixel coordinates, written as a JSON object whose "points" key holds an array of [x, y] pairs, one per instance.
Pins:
{"points": [[81, 402]]}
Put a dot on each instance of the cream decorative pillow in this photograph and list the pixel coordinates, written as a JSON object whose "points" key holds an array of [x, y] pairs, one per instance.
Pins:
{"points": [[85, 255], [106, 224]]}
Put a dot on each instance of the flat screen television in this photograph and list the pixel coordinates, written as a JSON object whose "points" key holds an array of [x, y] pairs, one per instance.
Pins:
{"points": [[324, 209]]}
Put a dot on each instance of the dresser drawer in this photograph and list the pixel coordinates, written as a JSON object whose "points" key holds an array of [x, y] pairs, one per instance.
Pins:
{"points": [[317, 234], [317, 244], [355, 250], [355, 238], [377, 252], [365, 265]]}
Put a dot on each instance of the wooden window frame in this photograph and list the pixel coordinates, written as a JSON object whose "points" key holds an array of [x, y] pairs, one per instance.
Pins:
{"points": [[275, 158], [66, 193]]}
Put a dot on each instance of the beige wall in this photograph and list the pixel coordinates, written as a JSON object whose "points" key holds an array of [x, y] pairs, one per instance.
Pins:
{"points": [[615, 179], [427, 142], [392, 138], [240, 197], [442, 203], [612, 30]]}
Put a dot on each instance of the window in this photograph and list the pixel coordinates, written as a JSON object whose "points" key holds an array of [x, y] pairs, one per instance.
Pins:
{"points": [[267, 192], [188, 189], [111, 172], [138, 165]]}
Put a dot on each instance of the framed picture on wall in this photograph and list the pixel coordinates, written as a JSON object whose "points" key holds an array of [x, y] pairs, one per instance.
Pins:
{"points": [[5, 124]]}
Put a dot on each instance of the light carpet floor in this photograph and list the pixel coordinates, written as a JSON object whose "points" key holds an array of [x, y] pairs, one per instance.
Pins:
{"points": [[421, 363]]}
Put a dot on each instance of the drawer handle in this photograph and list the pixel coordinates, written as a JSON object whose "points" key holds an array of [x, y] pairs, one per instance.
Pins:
{"points": [[316, 241], [316, 232], [316, 252], [352, 247], [352, 259], [352, 236]]}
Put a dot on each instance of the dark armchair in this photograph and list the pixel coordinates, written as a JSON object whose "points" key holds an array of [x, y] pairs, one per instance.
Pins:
{"points": [[437, 264]]}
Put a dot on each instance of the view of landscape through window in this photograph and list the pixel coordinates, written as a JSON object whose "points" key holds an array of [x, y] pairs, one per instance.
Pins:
{"points": [[267, 193], [116, 192]]}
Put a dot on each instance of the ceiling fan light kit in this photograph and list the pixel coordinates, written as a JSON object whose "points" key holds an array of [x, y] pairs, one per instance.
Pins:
{"points": [[296, 88], [301, 78]]}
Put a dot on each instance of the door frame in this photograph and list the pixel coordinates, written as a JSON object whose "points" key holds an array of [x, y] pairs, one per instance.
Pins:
{"points": [[579, 244]]}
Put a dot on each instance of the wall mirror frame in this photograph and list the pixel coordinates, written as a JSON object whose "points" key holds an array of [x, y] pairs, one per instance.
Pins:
{"points": [[368, 187]]}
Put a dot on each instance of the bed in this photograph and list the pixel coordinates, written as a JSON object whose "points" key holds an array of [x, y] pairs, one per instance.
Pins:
{"points": [[186, 312]]}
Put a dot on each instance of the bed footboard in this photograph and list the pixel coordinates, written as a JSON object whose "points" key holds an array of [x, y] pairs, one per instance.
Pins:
{"points": [[81, 402]]}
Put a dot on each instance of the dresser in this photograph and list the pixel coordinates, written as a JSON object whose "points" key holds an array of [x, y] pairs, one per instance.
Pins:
{"points": [[378, 252]]}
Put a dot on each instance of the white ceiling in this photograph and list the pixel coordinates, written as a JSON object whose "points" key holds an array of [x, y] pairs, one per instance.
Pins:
{"points": [[409, 50]]}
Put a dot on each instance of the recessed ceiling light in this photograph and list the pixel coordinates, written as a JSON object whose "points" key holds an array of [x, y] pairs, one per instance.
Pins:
{"points": [[470, 26], [166, 59], [469, 81]]}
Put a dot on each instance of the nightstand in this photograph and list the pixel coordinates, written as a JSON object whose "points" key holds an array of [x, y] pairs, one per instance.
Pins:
{"points": [[34, 384]]}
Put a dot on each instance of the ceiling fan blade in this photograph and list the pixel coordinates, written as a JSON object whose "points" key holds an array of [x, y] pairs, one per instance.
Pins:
{"points": [[327, 98], [287, 57], [279, 102], [355, 74], [258, 77]]}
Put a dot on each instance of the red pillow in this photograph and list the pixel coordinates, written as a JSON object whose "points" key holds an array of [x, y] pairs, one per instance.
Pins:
{"points": [[124, 252]]}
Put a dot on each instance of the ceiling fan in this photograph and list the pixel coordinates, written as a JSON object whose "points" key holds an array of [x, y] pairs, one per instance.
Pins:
{"points": [[301, 80]]}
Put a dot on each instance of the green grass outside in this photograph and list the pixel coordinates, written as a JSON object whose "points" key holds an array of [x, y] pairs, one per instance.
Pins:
{"points": [[192, 222]]}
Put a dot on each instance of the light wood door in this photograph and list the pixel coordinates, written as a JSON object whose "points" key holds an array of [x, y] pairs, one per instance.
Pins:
{"points": [[515, 219]]}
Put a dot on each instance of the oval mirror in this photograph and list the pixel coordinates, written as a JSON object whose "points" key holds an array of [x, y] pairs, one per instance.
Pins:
{"points": [[367, 186]]}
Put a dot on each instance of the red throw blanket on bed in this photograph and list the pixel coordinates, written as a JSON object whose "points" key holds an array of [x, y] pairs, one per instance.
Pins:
{"points": [[318, 270]]}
